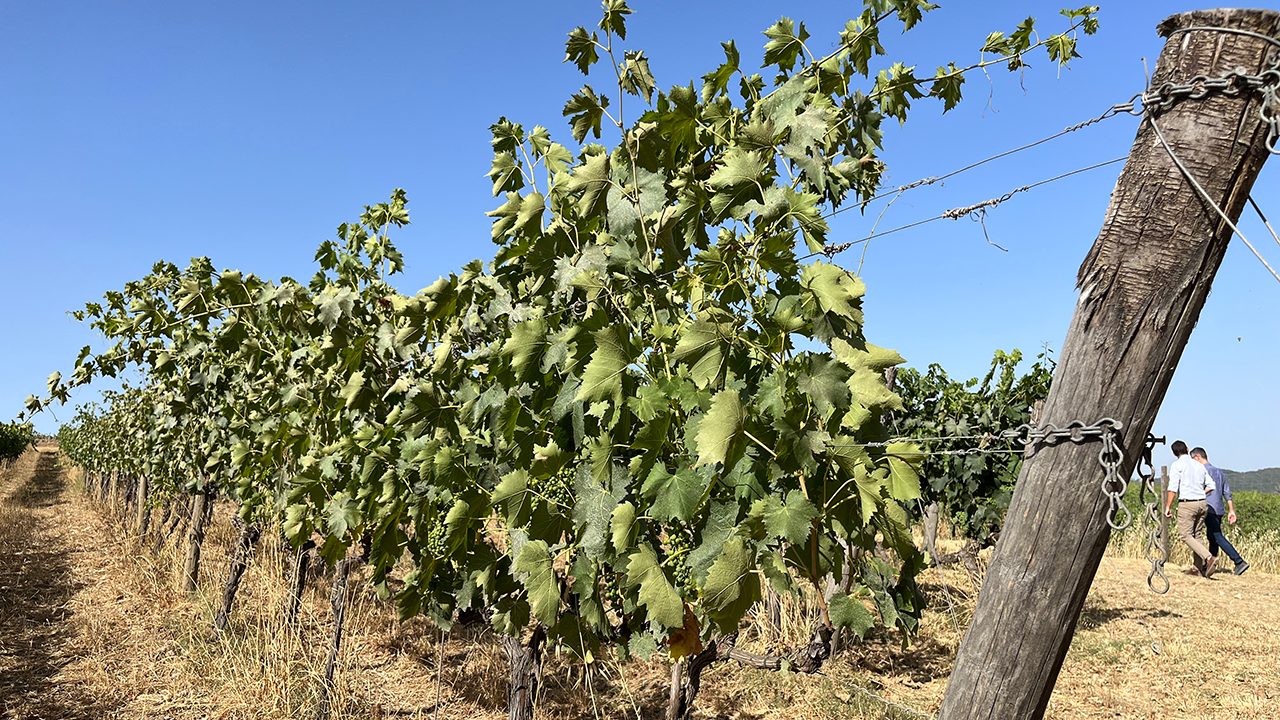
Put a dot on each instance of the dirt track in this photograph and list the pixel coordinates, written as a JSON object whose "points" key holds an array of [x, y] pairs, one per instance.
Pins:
{"points": [[39, 555]]}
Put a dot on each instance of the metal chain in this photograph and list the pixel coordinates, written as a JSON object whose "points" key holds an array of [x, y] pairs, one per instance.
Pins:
{"points": [[1201, 86], [1156, 542], [1268, 82], [1114, 484], [1110, 457], [1075, 431]]}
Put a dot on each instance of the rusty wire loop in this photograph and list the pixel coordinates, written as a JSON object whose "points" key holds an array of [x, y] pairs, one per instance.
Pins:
{"points": [[1149, 496]]}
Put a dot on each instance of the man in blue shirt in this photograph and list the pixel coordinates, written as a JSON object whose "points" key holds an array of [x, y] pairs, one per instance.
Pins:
{"points": [[1213, 519]]}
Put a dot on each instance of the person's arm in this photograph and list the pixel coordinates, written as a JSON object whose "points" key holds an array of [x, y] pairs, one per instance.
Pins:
{"points": [[1231, 508], [1168, 502]]}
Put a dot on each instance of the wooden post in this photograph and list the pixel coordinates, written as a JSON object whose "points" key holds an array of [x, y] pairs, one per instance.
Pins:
{"points": [[1142, 287], [525, 673], [298, 580], [144, 511], [675, 698]]}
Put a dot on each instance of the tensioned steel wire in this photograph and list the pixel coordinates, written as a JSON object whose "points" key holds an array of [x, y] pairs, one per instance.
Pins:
{"points": [[1231, 83]]}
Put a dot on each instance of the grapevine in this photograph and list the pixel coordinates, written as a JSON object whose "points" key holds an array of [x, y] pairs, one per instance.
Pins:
{"points": [[642, 406]]}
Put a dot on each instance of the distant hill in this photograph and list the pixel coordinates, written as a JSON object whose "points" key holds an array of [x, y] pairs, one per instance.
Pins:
{"points": [[1266, 480]]}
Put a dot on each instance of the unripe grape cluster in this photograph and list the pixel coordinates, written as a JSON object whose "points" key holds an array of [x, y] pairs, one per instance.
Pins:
{"points": [[438, 538], [556, 490], [680, 547]]}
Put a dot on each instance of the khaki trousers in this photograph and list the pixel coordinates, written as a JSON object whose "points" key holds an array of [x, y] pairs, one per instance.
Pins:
{"points": [[1191, 515]]}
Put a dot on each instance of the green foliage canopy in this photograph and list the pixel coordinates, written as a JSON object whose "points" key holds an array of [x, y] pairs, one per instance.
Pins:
{"points": [[975, 488], [643, 407]]}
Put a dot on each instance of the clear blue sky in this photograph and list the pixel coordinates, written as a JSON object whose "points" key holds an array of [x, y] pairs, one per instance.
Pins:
{"points": [[133, 132]]}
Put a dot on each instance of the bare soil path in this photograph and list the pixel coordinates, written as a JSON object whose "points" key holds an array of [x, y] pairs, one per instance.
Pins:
{"points": [[38, 580]]}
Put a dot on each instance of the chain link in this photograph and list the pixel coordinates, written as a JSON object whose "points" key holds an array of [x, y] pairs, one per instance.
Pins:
{"points": [[1149, 496], [1075, 431], [1110, 457], [1114, 484], [1201, 86]]}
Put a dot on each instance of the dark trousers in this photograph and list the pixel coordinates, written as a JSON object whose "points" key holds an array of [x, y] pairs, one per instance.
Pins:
{"points": [[1213, 526]]}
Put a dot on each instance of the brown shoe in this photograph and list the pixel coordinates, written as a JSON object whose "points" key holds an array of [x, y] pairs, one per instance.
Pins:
{"points": [[1208, 565], [1192, 572]]}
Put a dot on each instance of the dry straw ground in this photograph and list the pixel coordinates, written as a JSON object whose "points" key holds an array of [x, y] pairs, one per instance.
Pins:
{"points": [[92, 627]]}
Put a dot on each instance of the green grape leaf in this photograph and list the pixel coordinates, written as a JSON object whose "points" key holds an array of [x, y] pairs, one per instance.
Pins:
{"points": [[527, 340], [701, 345], [715, 83], [343, 514], [835, 289], [739, 179], [904, 479], [591, 182], [656, 593], [585, 111], [722, 518], [602, 378], [336, 304], [540, 580], [580, 48], [674, 496], [621, 523], [350, 393], [720, 434], [824, 385], [615, 18], [732, 586], [791, 520], [505, 173], [851, 613], [785, 44], [512, 494], [593, 507], [637, 79]]}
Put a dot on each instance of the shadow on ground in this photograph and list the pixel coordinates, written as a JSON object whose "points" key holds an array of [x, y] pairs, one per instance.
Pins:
{"points": [[1093, 618], [36, 585]]}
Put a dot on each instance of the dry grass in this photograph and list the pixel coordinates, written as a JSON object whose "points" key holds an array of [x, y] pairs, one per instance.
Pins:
{"points": [[106, 634], [1261, 549]]}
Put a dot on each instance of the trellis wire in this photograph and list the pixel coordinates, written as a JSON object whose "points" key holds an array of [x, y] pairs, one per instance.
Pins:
{"points": [[1200, 86], [1204, 195], [1264, 219], [888, 703], [957, 213]]}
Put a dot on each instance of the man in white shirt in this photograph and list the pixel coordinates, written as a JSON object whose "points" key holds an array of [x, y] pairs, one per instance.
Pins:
{"points": [[1191, 484]]}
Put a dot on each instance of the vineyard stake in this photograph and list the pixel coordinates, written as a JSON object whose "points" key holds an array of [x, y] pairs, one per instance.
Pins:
{"points": [[1142, 287]]}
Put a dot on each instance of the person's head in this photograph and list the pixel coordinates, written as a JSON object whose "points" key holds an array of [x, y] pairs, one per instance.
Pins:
{"points": [[1198, 454], [1179, 448]]}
